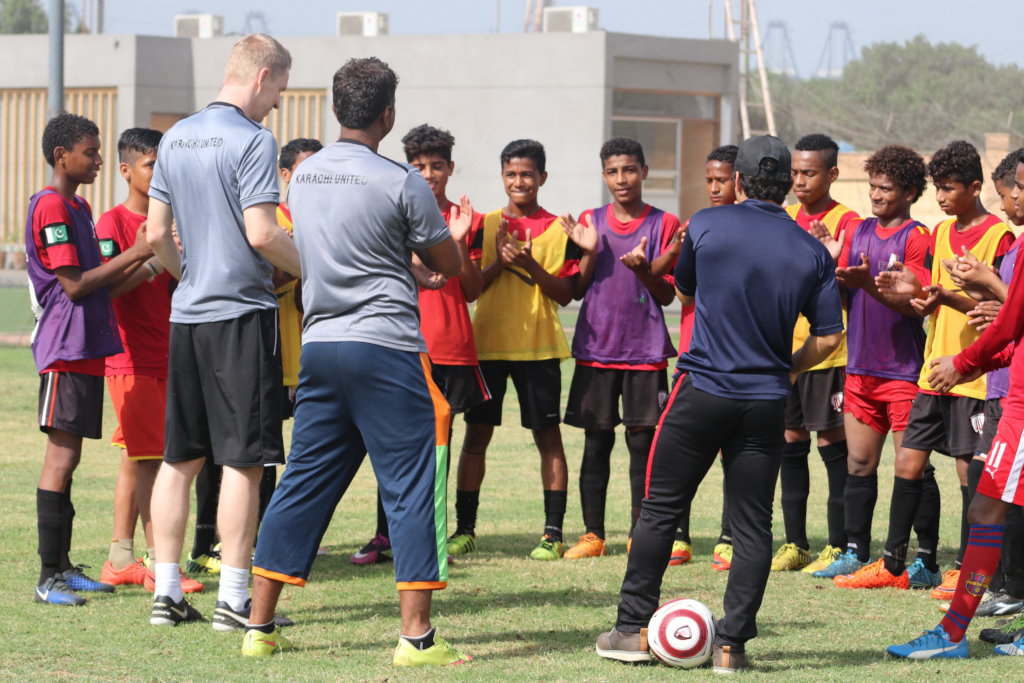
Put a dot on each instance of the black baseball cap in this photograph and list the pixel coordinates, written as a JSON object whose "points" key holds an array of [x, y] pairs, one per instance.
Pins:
{"points": [[765, 156]]}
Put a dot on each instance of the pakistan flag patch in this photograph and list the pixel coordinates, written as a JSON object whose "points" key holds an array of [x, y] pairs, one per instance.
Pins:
{"points": [[54, 234], [108, 248]]}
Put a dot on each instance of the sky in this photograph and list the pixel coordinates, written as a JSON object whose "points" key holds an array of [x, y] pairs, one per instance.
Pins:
{"points": [[991, 25]]}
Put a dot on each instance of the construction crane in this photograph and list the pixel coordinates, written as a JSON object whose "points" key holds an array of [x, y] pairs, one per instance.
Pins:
{"points": [[778, 50], [255, 22], [838, 51]]}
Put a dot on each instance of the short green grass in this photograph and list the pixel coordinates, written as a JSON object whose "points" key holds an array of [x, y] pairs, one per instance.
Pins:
{"points": [[522, 620], [15, 312]]}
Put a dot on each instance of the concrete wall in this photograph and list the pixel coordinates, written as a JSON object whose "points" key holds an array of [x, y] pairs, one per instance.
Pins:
{"points": [[486, 89], [851, 188]]}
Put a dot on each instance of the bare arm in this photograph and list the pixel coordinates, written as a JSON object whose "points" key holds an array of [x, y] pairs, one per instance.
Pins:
{"points": [[160, 237], [147, 270], [584, 235], [267, 237], [636, 260], [859, 277], [814, 350], [78, 283]]}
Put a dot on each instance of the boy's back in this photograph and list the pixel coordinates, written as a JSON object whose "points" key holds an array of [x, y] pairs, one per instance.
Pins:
{"points": [[351, 209], [741, 346], [210, 167]]}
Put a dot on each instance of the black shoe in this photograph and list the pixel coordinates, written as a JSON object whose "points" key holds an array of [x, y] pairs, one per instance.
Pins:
{"points": [[999, 604], [166, 612], [227, 619], [1005, 633]]}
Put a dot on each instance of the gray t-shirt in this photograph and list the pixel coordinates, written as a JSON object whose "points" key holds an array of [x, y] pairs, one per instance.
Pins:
{"points": [[210, 167], [357, 217]]}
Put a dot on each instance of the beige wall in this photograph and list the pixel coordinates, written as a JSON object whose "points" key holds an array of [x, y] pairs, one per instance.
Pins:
{"points": [[852, 187]]}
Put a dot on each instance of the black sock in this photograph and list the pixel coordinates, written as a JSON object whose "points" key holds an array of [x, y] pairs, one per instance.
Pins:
{"points": [[466, 504], [834, 456], [726, 535], [50, 523], [382, 518], [594, 473], [554, 513], [66, 529], [207, 493], [906, 495], [796, 485], [423, 642], [639, 444], [268, 482], [861, 495], [926, 522], [262, 628]]}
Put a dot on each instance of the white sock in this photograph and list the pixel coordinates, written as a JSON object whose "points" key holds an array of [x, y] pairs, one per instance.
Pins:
{"points": [[168, 580], [234, 587]]}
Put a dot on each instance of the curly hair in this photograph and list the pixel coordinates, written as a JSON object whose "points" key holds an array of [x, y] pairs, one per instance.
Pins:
{"points": [[725, 154], [425, 139], [816, 142], [904, 166], [362, 90], [1006, 172], [286, 159], [64, 130], [139, 141], [768, 189], [623, 147], [958, 161], [525, 149]]}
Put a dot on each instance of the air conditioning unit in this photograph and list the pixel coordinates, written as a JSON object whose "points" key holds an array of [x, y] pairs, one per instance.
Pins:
{"points": [[570, 19], [362, 24], [198, 26]]}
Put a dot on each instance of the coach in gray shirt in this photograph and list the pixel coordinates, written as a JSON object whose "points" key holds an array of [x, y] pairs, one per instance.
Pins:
{"points": [[365, 381], [215, 174]]}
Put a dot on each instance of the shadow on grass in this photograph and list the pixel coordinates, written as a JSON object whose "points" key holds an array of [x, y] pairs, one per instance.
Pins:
{"points": [[514, 644], [467, 604]]}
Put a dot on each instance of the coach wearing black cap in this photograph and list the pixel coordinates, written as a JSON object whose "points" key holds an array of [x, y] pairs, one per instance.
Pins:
{"points": [[751, 271]]}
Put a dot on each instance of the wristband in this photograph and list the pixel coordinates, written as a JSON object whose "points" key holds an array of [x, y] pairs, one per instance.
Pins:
{"points": [[151, 268]]}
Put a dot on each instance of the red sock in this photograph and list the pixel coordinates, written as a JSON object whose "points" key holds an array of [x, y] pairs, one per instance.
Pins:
{"points": [[979, 564]]}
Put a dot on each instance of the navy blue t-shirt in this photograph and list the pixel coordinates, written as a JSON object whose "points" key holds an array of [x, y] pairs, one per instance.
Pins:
{"points": [[752, 270]]}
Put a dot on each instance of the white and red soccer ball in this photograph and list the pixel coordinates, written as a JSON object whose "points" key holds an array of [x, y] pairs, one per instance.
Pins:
{"points": [[681, 633]]}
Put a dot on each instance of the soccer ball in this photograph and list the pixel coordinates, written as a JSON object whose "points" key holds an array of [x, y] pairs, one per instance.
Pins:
{"points": [[681, 633]]}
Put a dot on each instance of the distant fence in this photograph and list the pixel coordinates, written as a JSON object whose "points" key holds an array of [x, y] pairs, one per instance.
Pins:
{"points": [[23, 170]]}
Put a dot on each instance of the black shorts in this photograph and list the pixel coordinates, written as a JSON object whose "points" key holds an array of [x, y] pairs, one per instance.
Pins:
{"points": [[538, 384], [993, 412], [594, 397], [462, 385], [71, 402], [815, 403], [950, 425], [224, 392]]}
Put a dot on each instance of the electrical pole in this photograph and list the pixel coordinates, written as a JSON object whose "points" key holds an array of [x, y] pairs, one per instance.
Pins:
{"points": [[55, 91]]}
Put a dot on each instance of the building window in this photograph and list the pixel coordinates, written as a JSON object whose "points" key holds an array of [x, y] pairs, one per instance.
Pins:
{"points": [[660, 139]]}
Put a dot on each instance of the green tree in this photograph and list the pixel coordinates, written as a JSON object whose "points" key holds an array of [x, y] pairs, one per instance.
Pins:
{"points": [[916, 93], [22, 16]]}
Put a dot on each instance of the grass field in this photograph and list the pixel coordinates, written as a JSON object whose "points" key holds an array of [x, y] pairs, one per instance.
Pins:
{"points": [[522, 620]]}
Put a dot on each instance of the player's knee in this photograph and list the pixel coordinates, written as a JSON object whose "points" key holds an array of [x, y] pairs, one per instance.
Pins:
{"points": [[986, 510]]}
